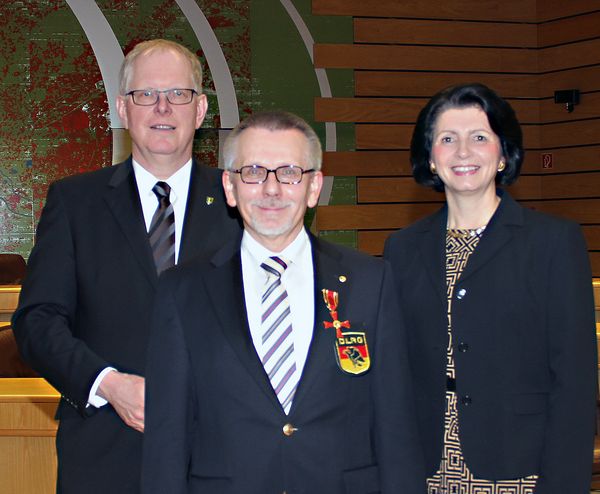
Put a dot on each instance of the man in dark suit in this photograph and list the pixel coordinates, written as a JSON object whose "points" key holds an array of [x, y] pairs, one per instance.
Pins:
{"points": [[103, 238], [279, 365]]}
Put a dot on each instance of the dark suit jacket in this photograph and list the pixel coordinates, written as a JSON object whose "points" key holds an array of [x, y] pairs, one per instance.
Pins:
{"points": [[86, 304], [214, 424], [524, 345]]}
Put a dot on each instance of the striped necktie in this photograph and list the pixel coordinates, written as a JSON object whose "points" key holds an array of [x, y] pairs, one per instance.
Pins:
{"points": [[162, 229], [277, 344]]}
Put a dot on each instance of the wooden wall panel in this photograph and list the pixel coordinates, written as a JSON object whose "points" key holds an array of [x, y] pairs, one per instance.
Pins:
{"points": [[586, 79], [372, 241], [398, 136], [371, 216], [569, 55], [425, 58], [431, 32], [497, 10], [578, 133], [391, 110], [366, 163], [393, 216], [404, 52], [567, 30], [548, 10], [426, 84]]}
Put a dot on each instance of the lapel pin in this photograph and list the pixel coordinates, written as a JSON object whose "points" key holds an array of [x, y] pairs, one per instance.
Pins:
{"points": [[342, 279], [209, 200]]}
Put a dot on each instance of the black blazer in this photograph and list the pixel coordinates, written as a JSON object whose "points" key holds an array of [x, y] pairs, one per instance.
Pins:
{"points": [[213, 422], [524, 345], [86, 302]]}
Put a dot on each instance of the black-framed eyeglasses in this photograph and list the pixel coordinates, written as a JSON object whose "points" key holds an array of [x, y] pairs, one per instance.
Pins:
{"points": [[149, 97], [285, 174]]}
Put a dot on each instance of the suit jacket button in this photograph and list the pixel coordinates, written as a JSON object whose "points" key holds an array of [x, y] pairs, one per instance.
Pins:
{"points": [[461, 293], [463, 347], [289, 429], [466, 400]]}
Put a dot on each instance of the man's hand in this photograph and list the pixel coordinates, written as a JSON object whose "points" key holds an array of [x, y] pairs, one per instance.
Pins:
{"points": [[125, 392]]}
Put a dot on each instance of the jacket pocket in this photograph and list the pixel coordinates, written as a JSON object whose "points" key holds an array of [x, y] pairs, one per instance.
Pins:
{"points": [[362, 480]]}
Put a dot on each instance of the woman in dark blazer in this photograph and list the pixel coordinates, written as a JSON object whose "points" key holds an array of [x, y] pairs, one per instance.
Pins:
{"points": [[499, 308]]}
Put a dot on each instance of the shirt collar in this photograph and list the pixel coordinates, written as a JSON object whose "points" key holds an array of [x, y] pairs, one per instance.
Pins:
{"points": [[179, 181], [294, 253]]}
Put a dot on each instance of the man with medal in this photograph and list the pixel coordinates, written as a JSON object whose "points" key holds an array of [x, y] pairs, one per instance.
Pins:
{"points": [[279, 365]]}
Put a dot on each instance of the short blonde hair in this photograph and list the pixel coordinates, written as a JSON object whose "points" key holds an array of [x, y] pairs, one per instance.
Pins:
{"points": [[273, 120], [126, 72]]}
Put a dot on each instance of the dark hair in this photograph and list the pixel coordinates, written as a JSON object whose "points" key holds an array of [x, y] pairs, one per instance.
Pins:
{"points": [[502, 120]]}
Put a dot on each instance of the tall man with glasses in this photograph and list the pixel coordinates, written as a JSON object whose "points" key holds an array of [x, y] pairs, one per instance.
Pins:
{"points": [[102, 241], [279, 365]]}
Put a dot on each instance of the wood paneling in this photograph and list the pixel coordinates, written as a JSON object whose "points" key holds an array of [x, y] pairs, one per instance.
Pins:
{"points": [[396, 163], [555, 9], [392, 110], [581, 133], [405, 52], [568, 30], [425, 58], [570, 55], [392, 216], [585, 79], [495, 10], [366, 163], [398, 136], [592, 238], [571, 186], [426, 84], [372, 241], [428, 32], [371, 216]]}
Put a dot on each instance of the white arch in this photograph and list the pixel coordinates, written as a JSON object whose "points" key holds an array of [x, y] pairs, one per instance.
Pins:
{"points": [[324, 87], [219, 69], [106, 48]]}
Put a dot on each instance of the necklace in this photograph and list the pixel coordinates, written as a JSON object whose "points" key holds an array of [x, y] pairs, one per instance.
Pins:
{"points": [[470, 232]]}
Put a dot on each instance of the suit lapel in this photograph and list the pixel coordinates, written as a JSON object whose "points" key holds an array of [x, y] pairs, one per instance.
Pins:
{"points": [[203, 197], [321, 353], [433, 252], [226, 291], [496, 235], [123, 200]]}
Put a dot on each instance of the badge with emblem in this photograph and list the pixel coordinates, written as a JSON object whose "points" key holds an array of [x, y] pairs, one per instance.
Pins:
{"points": [[351, 349]]}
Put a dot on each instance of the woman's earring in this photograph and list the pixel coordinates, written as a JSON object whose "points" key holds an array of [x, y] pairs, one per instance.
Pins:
{"points": [[432, 168], [501, 166]]}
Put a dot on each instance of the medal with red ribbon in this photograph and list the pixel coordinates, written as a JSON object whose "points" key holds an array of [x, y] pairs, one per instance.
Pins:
{"points": [[351, 350]]}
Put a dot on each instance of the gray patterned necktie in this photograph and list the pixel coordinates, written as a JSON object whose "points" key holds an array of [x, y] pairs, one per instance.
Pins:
{"points": [[162, 229]]}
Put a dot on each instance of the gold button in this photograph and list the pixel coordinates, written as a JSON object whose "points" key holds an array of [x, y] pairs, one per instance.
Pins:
{"points": [[342, 279], [289, 429]]}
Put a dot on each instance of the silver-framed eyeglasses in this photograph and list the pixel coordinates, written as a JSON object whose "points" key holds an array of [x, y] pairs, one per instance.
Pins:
{"points": [[149, 97], [285, 174]]}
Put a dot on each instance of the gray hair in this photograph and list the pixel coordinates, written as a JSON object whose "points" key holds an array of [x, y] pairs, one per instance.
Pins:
{"points": [[273, 120], [126, 72]]}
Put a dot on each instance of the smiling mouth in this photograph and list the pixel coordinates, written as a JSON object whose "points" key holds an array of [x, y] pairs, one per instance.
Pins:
{"points": [[162, 127], [465, 169]]}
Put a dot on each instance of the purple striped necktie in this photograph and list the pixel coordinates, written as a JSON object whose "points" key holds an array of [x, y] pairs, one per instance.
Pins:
{"points": [[277, 351], [162, 229]]}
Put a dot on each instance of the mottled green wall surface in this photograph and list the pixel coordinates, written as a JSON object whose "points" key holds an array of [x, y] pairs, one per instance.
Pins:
{"points": [[53, 103]]}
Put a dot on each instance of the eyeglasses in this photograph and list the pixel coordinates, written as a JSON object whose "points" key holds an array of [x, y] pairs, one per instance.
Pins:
{"points": [[149, 97], [285, 174]]}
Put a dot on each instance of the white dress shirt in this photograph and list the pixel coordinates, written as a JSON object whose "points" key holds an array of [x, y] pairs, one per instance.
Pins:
{"points": [[298, 280], [180, 185]]}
